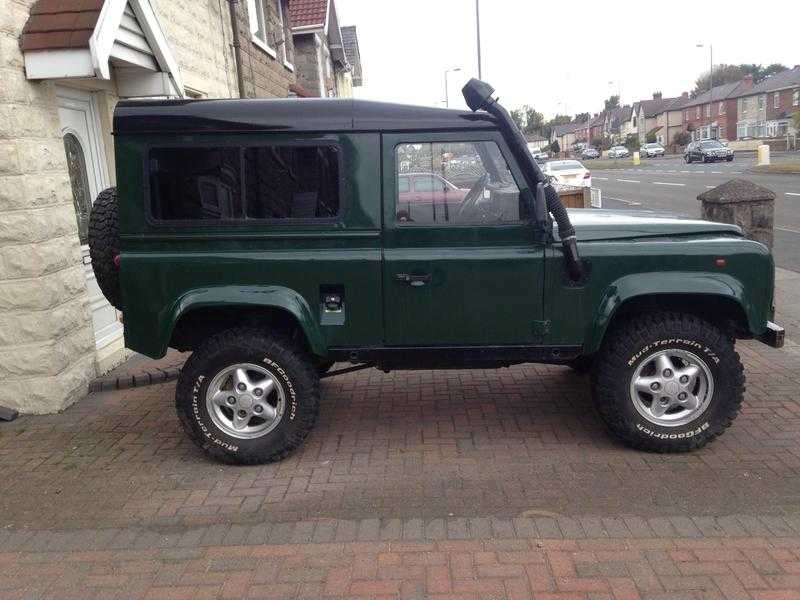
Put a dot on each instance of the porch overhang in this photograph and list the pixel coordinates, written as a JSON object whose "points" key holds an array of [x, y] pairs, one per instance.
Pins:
{"points": [[121, 40]]}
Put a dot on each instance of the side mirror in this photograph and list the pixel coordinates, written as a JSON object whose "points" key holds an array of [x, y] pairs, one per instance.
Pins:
{"points": [[540, 206]]}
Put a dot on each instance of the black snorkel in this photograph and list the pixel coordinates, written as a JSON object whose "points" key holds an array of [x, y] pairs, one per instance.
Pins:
{"points": [[478, 95]]}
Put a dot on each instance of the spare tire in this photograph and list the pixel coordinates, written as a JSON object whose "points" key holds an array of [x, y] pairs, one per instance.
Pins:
{"points": [[104, 245]]}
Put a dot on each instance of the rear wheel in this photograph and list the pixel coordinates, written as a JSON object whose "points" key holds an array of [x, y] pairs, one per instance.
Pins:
{"points": [[247, 397], [668, 382], [687, 158]]}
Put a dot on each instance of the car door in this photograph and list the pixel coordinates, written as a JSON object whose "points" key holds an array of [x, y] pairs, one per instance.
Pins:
{"points": [[471, 276]]}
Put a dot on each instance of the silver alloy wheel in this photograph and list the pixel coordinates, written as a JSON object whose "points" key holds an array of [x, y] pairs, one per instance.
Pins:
{"points": [[671, 387], [245, 401]]}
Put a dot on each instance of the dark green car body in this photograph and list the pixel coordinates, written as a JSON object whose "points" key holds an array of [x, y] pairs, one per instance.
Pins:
{"points": [[489, 294]]}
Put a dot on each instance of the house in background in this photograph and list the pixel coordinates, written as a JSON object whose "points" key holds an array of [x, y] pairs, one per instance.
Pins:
{"points": [[651, 118], [565, 134], [322, 64], [628, 122], [713, 114], [766, 110]]}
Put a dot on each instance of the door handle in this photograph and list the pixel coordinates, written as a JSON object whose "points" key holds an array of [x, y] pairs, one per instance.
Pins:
{"points": [[412, 280]]}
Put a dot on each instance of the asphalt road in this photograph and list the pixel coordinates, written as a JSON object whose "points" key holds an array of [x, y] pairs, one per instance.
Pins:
{"points": [[670, 185]]}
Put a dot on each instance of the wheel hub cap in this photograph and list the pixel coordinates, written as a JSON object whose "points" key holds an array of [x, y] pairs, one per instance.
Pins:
{"points": [[671, 387], [245, 401]]}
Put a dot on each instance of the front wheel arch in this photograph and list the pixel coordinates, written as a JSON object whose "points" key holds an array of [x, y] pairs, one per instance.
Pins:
{"points": [[723, 311]]}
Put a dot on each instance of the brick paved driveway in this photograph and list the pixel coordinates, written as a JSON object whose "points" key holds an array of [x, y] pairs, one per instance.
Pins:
{"points": [[423, 485]]}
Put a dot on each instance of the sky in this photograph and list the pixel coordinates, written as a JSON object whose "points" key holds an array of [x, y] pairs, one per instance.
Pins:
{"points": [[559, 57]]}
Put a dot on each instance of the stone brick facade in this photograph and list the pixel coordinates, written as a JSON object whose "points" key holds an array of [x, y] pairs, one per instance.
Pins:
{"points": [[264, 75], [47, 349], [46, 342]]}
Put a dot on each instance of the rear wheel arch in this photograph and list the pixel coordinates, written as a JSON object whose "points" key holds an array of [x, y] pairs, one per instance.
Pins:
{"points": [[212, 311]]}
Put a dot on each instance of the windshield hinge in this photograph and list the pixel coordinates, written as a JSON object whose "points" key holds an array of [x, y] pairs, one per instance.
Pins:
{"points": [[541, 327]]}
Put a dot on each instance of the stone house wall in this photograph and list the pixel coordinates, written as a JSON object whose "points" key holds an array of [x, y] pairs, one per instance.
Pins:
{"points": [[46, 341], [47, 349], [265, 76], [307, 62]]}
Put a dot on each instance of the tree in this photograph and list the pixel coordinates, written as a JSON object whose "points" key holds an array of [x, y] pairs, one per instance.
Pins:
{"points": [[632, 142], [555, 147], [650, 138], [547, 128], [683, 138], [582, 117], [612, 102], [516, 116], [533, 120], [731, 73], [602, 143]]}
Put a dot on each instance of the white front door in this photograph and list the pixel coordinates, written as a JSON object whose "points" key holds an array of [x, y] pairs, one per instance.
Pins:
{"points": [[80, 129]]}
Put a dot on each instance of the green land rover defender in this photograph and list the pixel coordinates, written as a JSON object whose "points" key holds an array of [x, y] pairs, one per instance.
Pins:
{"points": [[274, 238]]}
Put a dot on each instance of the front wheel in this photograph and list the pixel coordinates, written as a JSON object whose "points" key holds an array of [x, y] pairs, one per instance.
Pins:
{"points": [[248, 397], [668, 382]]}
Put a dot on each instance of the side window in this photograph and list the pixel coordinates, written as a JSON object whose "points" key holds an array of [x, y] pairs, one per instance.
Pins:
{"points": [[455, 183], [198, 184], [280, 182], [291, 182]]}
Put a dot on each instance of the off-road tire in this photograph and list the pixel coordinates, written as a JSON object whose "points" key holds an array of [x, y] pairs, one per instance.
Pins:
{"points": [[278, 354], [630, 343], [582, 365], [104, 245]]}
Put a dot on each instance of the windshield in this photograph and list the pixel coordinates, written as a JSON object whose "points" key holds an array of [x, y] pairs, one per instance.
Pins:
{"points": [[711, 144], [564, 165]]}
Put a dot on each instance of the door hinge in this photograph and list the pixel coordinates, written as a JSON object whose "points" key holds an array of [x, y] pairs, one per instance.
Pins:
{"points": [[541, 327]]}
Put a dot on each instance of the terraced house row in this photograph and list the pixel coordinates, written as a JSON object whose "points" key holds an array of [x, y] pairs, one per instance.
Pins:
{"points": [[741, 111]]}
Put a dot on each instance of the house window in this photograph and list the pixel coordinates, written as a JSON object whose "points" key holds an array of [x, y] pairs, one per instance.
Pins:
{"points": [[722, 108], [284, 35], [743, 106], [762, 102], [434, 180], [686, 115], [776, 100], [257, 11], [723, 131], [697, 113], [796, 98], [708, 110]]}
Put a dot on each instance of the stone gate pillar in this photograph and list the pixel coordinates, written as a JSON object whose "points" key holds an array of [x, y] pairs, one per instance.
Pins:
{"points": [[745, 204]]}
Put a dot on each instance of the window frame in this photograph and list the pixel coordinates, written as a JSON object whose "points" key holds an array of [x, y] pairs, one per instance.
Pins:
{"points": [[390, 206], [796, 98], [286, 34], [776, 100], [253, 13], [332, 222]]}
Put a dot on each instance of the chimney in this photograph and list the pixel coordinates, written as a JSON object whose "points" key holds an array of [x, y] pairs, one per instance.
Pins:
{"points": [[747, 81], [685, 95], [656, 95]]}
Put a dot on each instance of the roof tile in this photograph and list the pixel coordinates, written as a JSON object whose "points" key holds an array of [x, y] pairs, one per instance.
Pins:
{"points": [[60, 24], [307, 13]]}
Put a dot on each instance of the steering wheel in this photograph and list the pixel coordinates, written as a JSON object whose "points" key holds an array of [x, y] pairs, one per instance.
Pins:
{"points": [[471, 199]]}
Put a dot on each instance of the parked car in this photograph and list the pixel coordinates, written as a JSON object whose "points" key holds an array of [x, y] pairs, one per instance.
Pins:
{"points": [[707, 151], [651, 150], [540, 156], [568, 172], [618, 152], [268, 238], [590, 153], [427, 192]]}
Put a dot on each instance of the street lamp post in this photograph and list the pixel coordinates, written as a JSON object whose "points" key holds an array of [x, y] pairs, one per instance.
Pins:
{"points": [[478, 33], [710, 84], [446, 94]]}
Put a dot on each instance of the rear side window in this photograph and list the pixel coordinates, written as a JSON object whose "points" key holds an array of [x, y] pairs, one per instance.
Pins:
{"points": [[291, 182], [275, 183], [196, 184]]}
